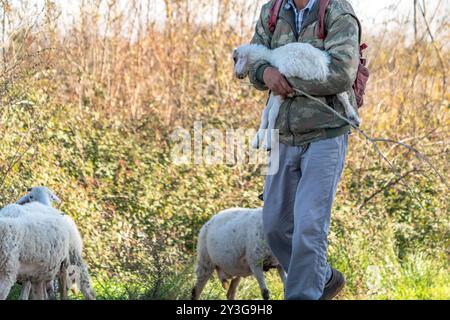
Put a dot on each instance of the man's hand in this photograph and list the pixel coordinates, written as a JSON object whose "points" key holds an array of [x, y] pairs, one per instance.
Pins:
{"points": [[276, 82]]}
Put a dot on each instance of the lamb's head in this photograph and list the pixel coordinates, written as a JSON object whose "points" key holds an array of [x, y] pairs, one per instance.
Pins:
{"points": [[73, 279], [39, 194], [241, 57]]}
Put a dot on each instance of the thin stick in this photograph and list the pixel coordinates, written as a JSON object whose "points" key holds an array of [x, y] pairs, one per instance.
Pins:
{"points": [[374, 143], [387, 186]]}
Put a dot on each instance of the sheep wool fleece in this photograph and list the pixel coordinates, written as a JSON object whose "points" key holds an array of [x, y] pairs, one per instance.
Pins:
{"points": [[297, 212], [300, 119]]}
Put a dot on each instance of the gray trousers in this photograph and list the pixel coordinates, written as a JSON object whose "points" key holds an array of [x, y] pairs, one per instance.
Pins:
{"points": [[297, 212]]}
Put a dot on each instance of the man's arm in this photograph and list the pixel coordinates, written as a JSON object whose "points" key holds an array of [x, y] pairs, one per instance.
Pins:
{"points": [[342, 44]]}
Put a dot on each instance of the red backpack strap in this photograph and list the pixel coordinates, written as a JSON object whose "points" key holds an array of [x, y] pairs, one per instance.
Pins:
{"points": [[273, 15], [321, 32], [321, 25]]}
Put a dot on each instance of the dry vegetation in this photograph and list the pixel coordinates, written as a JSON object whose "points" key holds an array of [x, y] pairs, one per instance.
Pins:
{"points": [[87, 102]]}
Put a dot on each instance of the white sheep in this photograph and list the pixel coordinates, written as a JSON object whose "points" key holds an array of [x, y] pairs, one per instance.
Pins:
{"points": [[300, 60], [46, 197], [34, 246], [233, 244]]}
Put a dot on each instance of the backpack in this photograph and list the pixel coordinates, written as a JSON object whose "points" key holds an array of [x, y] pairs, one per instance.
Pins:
{"points": [[363, 72]]}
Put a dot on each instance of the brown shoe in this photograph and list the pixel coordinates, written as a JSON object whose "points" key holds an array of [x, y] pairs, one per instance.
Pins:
{"points": [[334, 286]]}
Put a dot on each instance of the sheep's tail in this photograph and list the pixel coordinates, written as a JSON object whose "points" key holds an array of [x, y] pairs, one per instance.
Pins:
{"points": [[84, 284], [204, 268], [9, 238]]}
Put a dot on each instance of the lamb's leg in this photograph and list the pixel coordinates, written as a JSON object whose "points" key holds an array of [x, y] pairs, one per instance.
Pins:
{"points": [[350, 111], [5, 287], [273, 115], [25, 293], [231, 295], [282, 274], [264, 124], [259, 275]]}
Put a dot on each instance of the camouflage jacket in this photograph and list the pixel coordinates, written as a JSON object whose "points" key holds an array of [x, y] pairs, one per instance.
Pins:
{"points": [[302, 120]]}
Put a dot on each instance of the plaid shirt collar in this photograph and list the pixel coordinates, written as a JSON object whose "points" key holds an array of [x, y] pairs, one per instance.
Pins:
{"points": [[299, 14]]}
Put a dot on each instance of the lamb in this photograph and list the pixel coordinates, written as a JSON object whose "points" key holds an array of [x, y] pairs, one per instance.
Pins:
{"points": [[46, 197], [34, 246], [233, 244], [300, 60]]}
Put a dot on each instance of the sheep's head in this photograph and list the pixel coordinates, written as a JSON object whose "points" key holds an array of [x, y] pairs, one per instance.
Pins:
{"points": [[241, 61], [39, 194]]}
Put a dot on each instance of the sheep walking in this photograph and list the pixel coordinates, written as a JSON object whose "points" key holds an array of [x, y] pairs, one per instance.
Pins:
{"points": [[44, 196], [34, 245], [233, 244], [300, 60]]}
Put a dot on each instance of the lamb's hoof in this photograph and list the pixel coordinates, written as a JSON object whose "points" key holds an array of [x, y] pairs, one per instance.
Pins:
{"points": [[255, 143], [266, 294], [268, 147], [355, 121]]}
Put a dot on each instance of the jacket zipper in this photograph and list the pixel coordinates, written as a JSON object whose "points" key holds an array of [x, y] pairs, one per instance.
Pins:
{"points": [[292, 27]]}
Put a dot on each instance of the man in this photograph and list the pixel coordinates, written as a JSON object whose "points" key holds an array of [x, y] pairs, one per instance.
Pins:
{"points": [[299, 197]]}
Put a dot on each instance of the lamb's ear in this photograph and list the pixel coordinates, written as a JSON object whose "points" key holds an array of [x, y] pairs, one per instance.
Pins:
{"points": [[23, 200]]}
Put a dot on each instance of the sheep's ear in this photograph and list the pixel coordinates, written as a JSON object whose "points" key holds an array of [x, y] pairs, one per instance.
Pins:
{"points": [[54, 197], [23, 200]]}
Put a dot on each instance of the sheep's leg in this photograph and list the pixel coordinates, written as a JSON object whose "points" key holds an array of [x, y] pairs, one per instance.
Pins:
{"points": [[5, 287], [350, 111], [259, 275], [81, 276], [204, 273], [25, 293], [273, 115], [45, 293], [63, 280], [231, 295], [85, 282], [264, 124], [50, 290], [37, 290], [282, 274]]}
